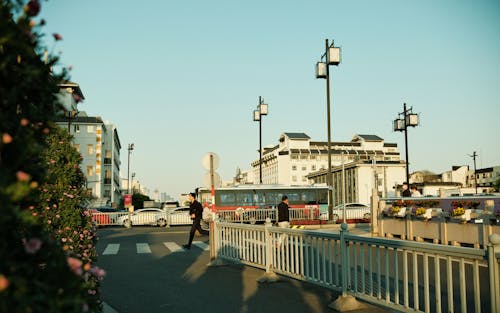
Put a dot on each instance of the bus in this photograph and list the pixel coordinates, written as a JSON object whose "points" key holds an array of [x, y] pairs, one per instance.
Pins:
{"points": [[313, 199]]}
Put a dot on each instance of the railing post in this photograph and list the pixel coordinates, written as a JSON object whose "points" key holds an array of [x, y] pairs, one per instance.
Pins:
{"points": [[269, 276], [343, 252], [493, 250]]}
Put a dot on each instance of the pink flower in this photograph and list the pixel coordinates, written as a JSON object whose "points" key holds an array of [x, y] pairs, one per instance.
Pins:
{"points": [[32, 8], [6, 138], [98, 272], [75, 265], [4, 282], [57, 36], [32, 246], [22, 176]]}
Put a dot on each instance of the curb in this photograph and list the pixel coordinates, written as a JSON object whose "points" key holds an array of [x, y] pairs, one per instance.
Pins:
{"points": [[107, 309]]}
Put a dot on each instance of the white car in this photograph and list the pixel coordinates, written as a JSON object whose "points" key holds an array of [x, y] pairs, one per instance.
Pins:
{"points": [[353, 211], [148, 216], [179, 216]]}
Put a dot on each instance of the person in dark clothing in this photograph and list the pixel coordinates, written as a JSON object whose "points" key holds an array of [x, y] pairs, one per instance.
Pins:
{"points": [[406, 191], [283, 213], [196, 211]]}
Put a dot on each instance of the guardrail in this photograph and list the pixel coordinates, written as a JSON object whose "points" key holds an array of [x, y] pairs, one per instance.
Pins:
{"points": [[149, 218], [253, 216], [400, 275]]}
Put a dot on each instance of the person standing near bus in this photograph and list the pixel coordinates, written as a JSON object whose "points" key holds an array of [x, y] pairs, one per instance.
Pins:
{"points": [[283, 213], [196, 212]]}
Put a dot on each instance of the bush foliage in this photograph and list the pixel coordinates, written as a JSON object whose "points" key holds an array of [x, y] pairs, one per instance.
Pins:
{"points": [[45, 267]]}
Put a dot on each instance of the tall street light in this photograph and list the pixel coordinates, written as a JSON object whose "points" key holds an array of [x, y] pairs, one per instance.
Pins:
{"points": [[262, 109], [406, 119], [130, 148], [330, 57], [473, 156]]}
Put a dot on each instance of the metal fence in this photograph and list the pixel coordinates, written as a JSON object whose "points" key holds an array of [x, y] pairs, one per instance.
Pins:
{"points": [[161, 219], [400, 275], [253, 216]]}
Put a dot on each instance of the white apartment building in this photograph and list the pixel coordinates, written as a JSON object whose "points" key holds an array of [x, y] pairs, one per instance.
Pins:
{"points": [[296, 155], [297, 160], [360, 178]]}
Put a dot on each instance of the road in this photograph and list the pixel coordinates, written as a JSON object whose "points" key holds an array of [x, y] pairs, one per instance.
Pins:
{"points": [[148, 271]]}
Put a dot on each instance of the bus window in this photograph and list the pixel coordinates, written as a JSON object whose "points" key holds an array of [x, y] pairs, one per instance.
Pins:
{"points": [[273, 198], [308, 197], [243, 198], [226, 198], [259, 198], [294, 197], [323, 196]]}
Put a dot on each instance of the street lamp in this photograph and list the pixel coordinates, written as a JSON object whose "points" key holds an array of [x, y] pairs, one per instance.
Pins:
{"points": [[406, 119], [473, 156], [133, 175], [130, 148], [330, 57], [262, 109]]}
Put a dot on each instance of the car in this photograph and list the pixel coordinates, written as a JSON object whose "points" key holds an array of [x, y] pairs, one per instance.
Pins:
{"points": [[179, 216], [354, 211], [148, 216]]}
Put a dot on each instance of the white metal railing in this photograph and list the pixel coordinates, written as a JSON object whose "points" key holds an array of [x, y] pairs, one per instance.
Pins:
{"points": [[401, 275], [253, 216], [146, 218]]}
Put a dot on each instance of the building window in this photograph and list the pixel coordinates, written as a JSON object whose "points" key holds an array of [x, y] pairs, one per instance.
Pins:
{"points": [[313, 167], [76, 128], [77, 146], [90, 129], [303, 157], [294, 178], [90, 149], [304, 179], [294, 157], [304, 168], [90, 170], [294, 167]]}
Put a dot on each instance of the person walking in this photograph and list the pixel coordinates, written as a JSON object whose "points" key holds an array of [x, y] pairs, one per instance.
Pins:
{"points": [[415, 192], [283, 219], [406, 192], [283, 213], [196, 211]]}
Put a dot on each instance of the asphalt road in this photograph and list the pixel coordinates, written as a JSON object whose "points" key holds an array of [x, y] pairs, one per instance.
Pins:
{"points": [[148, 271]]}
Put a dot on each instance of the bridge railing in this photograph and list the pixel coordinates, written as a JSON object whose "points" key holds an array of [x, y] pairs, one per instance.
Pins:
{"points": [[396, 274]]}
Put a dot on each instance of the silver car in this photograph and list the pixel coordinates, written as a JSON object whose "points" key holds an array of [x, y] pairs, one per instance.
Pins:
{"points": [[148, 216]]}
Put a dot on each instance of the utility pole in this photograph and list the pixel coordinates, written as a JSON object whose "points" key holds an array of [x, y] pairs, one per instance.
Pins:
{"points": [[473, 156]]}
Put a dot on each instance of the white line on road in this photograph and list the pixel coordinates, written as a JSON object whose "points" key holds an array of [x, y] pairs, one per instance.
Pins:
{"points": [[143, 248], [174, 247], [201, 245], [111, 248]]}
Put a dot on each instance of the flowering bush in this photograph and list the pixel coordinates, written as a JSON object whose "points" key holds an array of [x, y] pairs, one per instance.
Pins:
{"points": [[420, 211], [37, 272], [458, 211], [394, 210]]}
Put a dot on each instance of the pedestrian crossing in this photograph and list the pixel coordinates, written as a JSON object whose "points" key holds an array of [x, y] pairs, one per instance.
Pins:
{"points": [[144, 248]]}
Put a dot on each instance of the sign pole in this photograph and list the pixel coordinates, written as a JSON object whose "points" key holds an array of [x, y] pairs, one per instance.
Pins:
{"points": [[212, 181]]}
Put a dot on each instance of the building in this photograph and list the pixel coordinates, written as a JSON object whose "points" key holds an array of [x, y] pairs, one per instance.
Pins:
{"points": [[296, 155], [485, 178], [360, 178], [99, 144]]}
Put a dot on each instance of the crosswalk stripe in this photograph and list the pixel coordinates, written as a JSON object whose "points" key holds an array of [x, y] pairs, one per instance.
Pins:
{"points": [[202, 245], [173, 247], [111, 248], [143, 248]]}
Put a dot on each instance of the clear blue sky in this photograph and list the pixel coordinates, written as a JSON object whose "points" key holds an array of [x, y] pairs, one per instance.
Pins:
{"points": [[181, 78]]}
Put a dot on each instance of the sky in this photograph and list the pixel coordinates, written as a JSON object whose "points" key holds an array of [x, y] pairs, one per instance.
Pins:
{"points": [[180, 79]]}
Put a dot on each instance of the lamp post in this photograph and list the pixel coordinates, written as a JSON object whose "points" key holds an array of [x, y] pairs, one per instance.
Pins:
{"points": [[330, 57], [406, 119], [130, 148], [133, 175], [262, 109]]}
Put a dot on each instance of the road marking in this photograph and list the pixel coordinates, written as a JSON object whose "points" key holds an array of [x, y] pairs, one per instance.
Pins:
{"points": [[111, 248], [201, 245], [143, 248], [174, 247]]}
